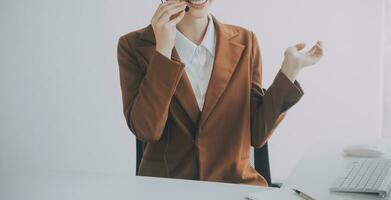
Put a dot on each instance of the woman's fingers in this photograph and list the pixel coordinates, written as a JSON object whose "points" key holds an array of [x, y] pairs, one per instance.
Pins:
{"points": [[313, 49], [316, 50], [164, 7], [166, 16], [294, 50], [319, 51], [177, 19], [158, 11], [320, 43], [300, 46]]}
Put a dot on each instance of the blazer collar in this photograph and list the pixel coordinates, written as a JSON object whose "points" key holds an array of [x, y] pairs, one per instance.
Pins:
{"points": [[187, 48], [227, 56]]}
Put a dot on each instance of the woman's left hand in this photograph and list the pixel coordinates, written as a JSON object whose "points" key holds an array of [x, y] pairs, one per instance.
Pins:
{"points": [[295, 59]]}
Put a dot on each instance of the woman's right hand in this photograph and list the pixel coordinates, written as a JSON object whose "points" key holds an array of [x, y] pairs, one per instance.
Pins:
{"points": [[296, 59], [164, 25]]}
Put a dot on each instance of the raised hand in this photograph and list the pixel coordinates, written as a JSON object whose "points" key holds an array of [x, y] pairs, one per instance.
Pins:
{"points": [[295, 59], [164, 22]]}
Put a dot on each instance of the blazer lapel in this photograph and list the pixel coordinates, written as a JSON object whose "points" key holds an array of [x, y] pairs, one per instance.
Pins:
{"points": [[227, 57], [185, 95], [184, 92]]}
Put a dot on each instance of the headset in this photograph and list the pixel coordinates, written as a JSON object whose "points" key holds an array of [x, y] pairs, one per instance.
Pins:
{"points": [[186, 9]]}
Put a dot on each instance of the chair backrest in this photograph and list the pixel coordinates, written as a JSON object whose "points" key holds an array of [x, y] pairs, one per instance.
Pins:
{"points": [[261, 162], [139, 153], [261, 159]]}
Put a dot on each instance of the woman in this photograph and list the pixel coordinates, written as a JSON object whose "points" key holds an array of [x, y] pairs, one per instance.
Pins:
{"points": [[192, 92]]}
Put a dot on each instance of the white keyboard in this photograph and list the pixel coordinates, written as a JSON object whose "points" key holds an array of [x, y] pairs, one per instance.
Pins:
{"points": [[372, 176]]}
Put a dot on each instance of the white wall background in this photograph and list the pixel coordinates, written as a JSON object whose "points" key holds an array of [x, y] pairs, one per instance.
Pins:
{"points": [[60, 98], [387, 70]]}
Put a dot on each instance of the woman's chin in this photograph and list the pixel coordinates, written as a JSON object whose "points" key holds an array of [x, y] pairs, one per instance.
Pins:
{"points": [[199, 11]]}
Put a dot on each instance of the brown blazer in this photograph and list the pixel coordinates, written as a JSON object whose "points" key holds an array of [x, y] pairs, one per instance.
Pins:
{"points": [[212, 145]]}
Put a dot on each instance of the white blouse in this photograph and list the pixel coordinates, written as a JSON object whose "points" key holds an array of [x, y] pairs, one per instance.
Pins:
{"points": [[198, 60]]}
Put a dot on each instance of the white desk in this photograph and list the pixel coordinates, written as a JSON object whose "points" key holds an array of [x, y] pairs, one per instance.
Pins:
{"points": [[317, 171], [314, 175], [61, 186]]}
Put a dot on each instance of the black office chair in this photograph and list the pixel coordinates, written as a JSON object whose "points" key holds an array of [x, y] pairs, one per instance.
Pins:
{"points": [[261, 159], [262, 164]]}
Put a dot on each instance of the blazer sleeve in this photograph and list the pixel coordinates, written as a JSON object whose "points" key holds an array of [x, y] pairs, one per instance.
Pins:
{"points": [[269, 107], [146, 94]]}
